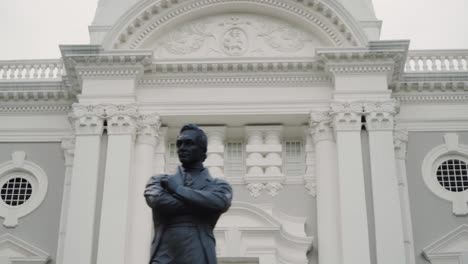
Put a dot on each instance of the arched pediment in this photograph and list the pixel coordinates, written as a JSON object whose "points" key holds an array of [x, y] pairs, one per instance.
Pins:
{"points": [[233, 28]]}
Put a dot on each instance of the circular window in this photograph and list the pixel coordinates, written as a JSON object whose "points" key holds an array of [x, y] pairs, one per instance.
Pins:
{"points": [[16, 191], [452, 174]]}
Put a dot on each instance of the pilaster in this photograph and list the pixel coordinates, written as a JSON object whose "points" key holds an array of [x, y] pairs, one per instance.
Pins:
{"points": [[121, 128], [386, 199], [328, 207], [139, 216], [355, 244], [400, 140], [88, 121], [215, 155], [68, 147], [264, 160]]}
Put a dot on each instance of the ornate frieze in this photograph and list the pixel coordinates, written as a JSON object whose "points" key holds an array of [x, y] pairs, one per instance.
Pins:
{"points": [[380, 114], [316, 14], [347, 115], [234, 35]]}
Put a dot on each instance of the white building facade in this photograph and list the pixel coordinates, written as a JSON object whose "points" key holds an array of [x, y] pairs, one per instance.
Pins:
{"points": [[341, 148]]}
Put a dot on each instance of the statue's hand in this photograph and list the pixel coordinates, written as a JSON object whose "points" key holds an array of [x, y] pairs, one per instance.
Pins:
{"points": [[172, 184]]}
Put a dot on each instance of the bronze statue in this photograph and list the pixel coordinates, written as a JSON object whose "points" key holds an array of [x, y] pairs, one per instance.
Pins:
{"points": [[187, 205]]}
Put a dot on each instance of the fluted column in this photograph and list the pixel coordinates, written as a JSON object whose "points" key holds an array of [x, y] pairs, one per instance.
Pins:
{"points": [[88, 124], [140, 219], [400, 139], [121, 128], [68, 147], [328, 227], [386, 199], [215, 155], [353, 213]]}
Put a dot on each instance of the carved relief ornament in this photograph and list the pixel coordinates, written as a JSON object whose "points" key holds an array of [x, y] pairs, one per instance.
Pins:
{"points": [[380, 115], [321, 126], [347, 115]]}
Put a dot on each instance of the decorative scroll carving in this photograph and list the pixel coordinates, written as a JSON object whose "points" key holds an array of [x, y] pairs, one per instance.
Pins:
{"points": [[379, 115], [121, 119], [68, 147], [255, 188], [321, 126], [234, 35]]}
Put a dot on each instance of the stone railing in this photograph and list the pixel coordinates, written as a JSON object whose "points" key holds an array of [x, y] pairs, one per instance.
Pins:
{"points": [[31, 70], [437, 61]]}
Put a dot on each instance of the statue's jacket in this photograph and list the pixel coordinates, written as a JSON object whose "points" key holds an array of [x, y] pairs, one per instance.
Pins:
{"points": [[200, 204]]}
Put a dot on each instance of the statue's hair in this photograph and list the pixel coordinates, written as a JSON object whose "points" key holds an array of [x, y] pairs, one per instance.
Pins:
{"points": [[202, 140]]}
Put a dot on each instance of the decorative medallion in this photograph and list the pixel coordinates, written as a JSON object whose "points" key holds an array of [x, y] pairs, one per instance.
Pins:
{"points": [[235, 42]]}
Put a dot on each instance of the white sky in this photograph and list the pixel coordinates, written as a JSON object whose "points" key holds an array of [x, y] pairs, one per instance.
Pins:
{"points": [[33, 29]]}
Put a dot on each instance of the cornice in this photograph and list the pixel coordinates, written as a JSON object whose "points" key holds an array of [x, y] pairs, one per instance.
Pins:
{"points": [[114, 71], [36, 108], [35, 91]]}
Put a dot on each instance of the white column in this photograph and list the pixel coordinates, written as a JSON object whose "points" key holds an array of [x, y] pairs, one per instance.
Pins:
{"points": [[386, 199], [215, 160], [121, 126], [140, 218], [68, 147], [353, 213], [400, 139], [88, 123], [328, 211], [159, 160]]}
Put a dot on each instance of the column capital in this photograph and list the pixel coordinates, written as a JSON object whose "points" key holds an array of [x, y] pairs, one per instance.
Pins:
{"points": [[121, 118], [148, 129], [321, 126], [347, 115], [87, 119], [68, 147], [400, 140], [380, 115]]}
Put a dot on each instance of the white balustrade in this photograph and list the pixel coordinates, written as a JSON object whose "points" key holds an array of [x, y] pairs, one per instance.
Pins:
{"points": [[437, 61], [21, 70]]}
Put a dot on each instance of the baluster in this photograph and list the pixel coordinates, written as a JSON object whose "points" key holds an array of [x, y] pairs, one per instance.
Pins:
{"points": [[43, 70], [12, 74], [407, 65], [21, 74], [4, 73], [59, 70], [425, 63], [451, 66], [27, 74], [36, 71]]}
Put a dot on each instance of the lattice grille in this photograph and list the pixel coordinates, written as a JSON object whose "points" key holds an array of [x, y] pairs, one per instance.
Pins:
{"points": [[453, 175], [234, 159], [294, 158], [16, 191]]}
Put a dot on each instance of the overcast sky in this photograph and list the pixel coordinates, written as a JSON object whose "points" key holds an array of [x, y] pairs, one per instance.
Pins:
{"points": [[33, 29]]}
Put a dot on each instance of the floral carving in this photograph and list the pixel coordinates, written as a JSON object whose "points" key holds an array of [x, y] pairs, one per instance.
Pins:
{"points": [[187, 39], [282, 37]]}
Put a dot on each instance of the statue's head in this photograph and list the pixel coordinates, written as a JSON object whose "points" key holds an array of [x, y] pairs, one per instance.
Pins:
{"points": [[192, 144]]}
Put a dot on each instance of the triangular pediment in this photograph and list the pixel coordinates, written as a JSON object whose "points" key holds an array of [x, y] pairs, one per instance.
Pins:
{"points": [[14, 250], [453, 244]]}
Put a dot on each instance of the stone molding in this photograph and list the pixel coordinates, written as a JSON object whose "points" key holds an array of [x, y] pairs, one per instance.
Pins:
{"points": [[380, 115], [35, 90], [347, 115], [339, 26], [68, 147], [110, 71], [148, 129], [35, 108], [321, 126], [400, 139]]}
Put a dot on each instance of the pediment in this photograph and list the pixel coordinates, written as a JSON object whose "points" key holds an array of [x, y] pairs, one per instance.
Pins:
{"points": [[235, 35], [455, 242], [14, 250]]}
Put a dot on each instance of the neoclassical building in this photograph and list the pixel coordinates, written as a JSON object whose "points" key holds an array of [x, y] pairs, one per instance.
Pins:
{"points": [[341, 148]]}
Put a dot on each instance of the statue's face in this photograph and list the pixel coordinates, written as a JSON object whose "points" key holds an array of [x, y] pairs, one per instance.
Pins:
{"points": [[188, 148]]}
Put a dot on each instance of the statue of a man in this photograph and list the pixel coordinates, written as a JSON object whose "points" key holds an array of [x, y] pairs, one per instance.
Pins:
{"points": [[187, 205]]}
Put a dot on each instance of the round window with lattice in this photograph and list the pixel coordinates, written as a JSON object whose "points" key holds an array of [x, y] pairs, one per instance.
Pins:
{"points": [[452, 174], [16, 191], [445, 173], [23, 187]]}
